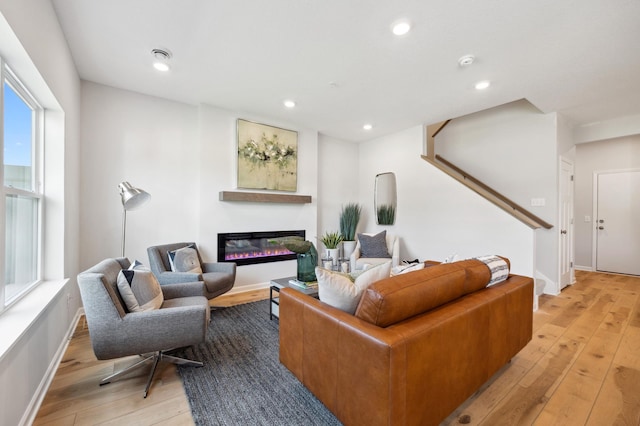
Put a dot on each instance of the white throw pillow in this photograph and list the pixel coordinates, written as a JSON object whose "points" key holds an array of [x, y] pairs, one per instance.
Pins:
{"points": [[185, 260], [343, 291], [140, 290], [403, 269]]}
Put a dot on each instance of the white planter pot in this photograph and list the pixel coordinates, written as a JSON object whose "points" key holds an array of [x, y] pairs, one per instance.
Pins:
{"points": [[347, 248]]}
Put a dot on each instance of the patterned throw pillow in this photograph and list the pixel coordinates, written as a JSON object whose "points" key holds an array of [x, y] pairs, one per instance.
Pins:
{"points": [[185, 260], [343, 291], [140, 290], [498, 268], [374, 246], [403, 269], [136, 265]]}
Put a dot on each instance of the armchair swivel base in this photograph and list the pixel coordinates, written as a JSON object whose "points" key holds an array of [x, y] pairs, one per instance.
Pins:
{"points": [[154, 357]]}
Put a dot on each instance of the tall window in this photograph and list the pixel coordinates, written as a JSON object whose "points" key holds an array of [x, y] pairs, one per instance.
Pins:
{"points": [[21, 204]]}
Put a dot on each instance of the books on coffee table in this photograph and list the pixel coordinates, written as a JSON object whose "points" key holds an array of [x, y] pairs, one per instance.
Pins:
{"points": [[304, 284]]}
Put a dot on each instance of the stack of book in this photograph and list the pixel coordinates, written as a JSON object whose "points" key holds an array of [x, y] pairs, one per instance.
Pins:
{"points": [[304, 284]]}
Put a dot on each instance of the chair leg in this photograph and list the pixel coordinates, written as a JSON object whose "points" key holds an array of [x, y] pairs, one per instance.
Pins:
{"points": [[132, 367], [180, 361], [156, 357]]}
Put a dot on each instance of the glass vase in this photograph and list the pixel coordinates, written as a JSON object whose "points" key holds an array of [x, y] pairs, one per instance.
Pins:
{"points": [[307, 266]]}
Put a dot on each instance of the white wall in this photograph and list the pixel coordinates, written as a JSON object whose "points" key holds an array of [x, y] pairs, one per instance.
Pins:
{"points": [[513, 149], [436, 215], [150, 142], [612, 154], [337, 181], [218, 153], [607, 129], [183, 156], [34, 46]]}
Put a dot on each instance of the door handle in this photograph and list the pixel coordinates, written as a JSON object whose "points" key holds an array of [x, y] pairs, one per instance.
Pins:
{"points": [[564, 231], [601, 227], [601, 221]]}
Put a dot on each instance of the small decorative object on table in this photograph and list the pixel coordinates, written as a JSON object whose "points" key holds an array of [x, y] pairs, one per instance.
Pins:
{"points": [[331, 240], [306, 255], [345, 265]]}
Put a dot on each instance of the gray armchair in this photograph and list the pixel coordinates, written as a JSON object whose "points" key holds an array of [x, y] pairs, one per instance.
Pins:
{"points": [[181, 321], [218, 278]]}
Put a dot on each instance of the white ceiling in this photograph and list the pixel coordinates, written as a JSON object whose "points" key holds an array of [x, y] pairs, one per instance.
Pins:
{"points": [[342, 65]]}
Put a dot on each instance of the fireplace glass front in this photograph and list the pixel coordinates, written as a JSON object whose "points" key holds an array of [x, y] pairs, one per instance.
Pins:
{"points": [[246, 248]]}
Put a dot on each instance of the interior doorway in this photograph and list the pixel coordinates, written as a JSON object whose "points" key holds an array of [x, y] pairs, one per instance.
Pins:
{"points": [[566, 223], [617, 213]]}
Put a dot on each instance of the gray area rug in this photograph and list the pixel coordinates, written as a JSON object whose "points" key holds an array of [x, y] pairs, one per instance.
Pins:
{"points": [[242, 381]]}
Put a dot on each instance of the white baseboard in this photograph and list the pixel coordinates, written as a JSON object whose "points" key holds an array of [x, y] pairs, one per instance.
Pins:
{"points": [[32, 410], [583, 268], [250, 287]]}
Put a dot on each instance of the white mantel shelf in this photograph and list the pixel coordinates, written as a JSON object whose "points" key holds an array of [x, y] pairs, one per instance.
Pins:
{"points": [[261, 197]]}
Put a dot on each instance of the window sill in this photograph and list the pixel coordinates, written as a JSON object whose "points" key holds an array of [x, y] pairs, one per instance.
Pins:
{"points": [[17, 320]]}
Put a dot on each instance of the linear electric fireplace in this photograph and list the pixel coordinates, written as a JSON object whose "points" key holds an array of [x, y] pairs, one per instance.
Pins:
{"points": [[246, 248]]}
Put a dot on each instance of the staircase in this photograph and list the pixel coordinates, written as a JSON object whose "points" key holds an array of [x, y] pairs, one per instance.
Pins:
{"points": [[476, 185]]}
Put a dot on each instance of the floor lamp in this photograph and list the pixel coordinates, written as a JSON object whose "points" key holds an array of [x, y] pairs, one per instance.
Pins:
{"points": [[132, 198]]}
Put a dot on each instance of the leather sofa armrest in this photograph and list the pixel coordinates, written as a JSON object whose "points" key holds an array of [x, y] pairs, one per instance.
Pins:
{"points": [[319, 344]]}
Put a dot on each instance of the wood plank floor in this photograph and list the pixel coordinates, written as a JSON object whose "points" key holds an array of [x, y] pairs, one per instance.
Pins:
{"points": [[582, 367]]}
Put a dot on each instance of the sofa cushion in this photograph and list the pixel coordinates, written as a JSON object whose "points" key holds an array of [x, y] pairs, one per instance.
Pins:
{"points": [[374, 246], [397, 298], [343, 291], [140, 290]]}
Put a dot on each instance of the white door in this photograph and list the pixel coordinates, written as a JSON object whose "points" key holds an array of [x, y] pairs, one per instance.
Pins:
{"points": [[566, 223], [618, 222]]}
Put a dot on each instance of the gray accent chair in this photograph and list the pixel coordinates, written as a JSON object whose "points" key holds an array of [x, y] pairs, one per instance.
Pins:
{"points": [[218, 278], [181, 321]]}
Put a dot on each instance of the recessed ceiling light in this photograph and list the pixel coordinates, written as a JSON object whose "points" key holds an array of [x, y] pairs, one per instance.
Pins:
{"points": [[161, 62], [368, 126], [466, 60], [161, 66], [481, 85], [289, 103], [400, 27]]}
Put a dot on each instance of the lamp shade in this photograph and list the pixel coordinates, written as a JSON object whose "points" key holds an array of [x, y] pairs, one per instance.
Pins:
{"points": [[132, 197]]}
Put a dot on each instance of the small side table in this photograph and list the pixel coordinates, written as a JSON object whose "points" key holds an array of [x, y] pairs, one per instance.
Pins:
{"points": [[274, 294]]}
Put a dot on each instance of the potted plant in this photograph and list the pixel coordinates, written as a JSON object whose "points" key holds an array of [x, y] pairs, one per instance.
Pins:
{"points": [[349, 218], [331, 240]]}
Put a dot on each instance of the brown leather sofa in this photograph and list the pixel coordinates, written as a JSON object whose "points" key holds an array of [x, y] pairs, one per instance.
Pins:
{"points": [[418, 345]]}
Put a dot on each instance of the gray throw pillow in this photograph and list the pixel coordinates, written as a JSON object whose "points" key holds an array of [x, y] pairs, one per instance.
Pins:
{"points": [[374, 245], [140, 290]]}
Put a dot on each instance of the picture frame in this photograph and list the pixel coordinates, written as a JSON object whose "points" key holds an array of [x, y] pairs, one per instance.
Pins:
{"points": [[267, 157]]}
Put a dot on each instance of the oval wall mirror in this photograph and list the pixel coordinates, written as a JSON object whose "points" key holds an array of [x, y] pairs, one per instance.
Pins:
{"points": [[384, 200]]}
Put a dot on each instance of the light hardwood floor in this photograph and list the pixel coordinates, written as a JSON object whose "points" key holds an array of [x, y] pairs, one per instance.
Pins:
{"points": [[582, 367]]}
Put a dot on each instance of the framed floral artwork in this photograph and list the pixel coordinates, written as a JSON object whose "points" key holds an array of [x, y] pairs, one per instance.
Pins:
{"points": [[267, 157]]}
